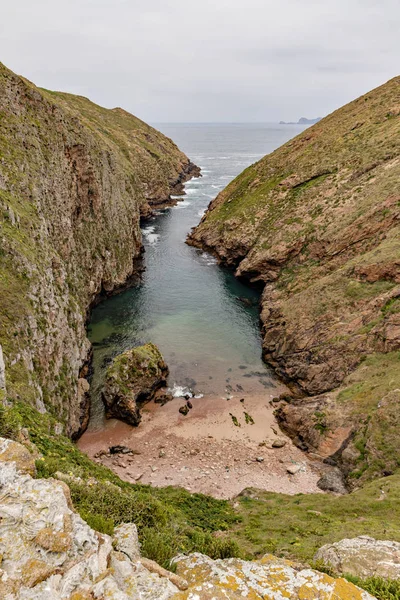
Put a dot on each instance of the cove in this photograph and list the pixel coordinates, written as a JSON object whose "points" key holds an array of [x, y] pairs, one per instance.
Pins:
{"points": [[204, 321]]}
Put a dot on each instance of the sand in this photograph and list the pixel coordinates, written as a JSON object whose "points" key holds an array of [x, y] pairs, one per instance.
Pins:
{"points": [[205, 451]]}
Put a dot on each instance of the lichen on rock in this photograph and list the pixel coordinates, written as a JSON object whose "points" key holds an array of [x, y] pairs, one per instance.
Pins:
{"points": [[362, 557], [132, 380]]}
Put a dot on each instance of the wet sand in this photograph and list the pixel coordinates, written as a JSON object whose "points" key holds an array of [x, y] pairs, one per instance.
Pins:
{"points": [[205, 451]]}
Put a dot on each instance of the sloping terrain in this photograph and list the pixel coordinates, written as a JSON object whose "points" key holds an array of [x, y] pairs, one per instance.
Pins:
{"points": [[75, 179], [317, 225]]}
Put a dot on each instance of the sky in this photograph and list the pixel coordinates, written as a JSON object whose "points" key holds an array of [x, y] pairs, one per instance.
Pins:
{"points": [[208, 60]]}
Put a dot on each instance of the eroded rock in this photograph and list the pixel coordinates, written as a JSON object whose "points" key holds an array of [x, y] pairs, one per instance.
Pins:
{"points": [[132, 380]]}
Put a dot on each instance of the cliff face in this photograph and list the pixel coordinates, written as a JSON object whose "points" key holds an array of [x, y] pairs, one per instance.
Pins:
{"points": [[74, 181], [317, 224]]}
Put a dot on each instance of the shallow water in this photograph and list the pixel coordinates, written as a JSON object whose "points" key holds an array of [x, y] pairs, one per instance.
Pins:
{"points": [[204, 321]]}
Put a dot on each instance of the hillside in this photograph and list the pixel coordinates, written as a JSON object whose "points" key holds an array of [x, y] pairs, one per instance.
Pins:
{"points": [[75, 179], [316, 224]]}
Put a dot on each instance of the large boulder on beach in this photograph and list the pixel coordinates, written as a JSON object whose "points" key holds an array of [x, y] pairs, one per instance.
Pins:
{"points": [[132, 380], [363, 557]]}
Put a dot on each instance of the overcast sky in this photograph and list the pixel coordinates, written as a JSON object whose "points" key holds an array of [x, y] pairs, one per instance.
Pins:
{"points": [[209, 60]]}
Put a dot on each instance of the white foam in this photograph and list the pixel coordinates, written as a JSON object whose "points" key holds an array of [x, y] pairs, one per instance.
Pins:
{"points": [[182, 204], [179, 391], [192, 191], [152, 238]]}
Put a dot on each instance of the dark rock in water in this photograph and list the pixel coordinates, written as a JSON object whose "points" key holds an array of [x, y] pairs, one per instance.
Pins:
{"points": [[243, 367], [184, 410], [118, 449], [239, 388], [241, 399], [187, 396], [106, 361], [189, 404], [246, 301], [333, 481], [132, 380]]}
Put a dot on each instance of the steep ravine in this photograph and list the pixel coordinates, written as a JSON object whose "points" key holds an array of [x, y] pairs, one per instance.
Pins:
{"points": [[75, 180], [316, 224]]}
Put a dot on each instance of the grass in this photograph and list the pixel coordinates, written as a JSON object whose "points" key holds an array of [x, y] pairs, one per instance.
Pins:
{"points": [[296, 526]]}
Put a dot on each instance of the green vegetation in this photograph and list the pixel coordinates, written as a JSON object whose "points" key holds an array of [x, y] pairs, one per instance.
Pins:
{"points": [[378, 587], [296, 526]]}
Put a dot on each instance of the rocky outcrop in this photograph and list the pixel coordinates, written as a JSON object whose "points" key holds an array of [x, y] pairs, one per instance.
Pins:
{"points": [[269, 577], [132, 380], [75, 179], [49, 553], [316, 224], [362, 557]]}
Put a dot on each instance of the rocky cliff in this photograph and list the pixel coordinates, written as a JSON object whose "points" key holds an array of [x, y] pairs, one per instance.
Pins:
{"points": [[316, 224], [75, 179]]}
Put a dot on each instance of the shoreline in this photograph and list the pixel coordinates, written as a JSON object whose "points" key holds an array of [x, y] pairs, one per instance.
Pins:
{"points": [[205, 452]]}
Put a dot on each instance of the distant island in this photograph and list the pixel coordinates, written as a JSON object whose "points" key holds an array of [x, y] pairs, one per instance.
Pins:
{"points": [[301, 121]]}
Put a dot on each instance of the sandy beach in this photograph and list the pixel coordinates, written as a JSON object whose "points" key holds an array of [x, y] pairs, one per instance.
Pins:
{"points": [[205, 451]]}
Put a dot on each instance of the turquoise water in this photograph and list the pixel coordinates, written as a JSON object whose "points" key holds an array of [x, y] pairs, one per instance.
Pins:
{"points": [[205, 322]]}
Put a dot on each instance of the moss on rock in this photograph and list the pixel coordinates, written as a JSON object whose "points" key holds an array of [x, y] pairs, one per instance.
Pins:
{"points": [[132, 379]]}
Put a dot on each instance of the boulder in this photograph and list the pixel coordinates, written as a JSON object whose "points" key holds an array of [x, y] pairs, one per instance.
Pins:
{"points": [[363, 557], [270, 577], [132, 380], [125, 540], [17, 454], [333, 481]]}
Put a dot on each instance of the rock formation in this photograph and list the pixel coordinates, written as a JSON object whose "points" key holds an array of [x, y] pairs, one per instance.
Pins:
{"points": [[132, 380], [316, 224], [362, 557], [75, 179], [49, 553]]}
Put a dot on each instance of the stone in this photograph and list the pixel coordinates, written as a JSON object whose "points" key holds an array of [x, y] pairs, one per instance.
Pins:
{"points": [[119, 449], [2, 372], [270, 577], [16, 453], [279, 443], [363, 557], [126, 540], [131, 380], [184, 410], [293, 469], [260, 459], [333, 481]]}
